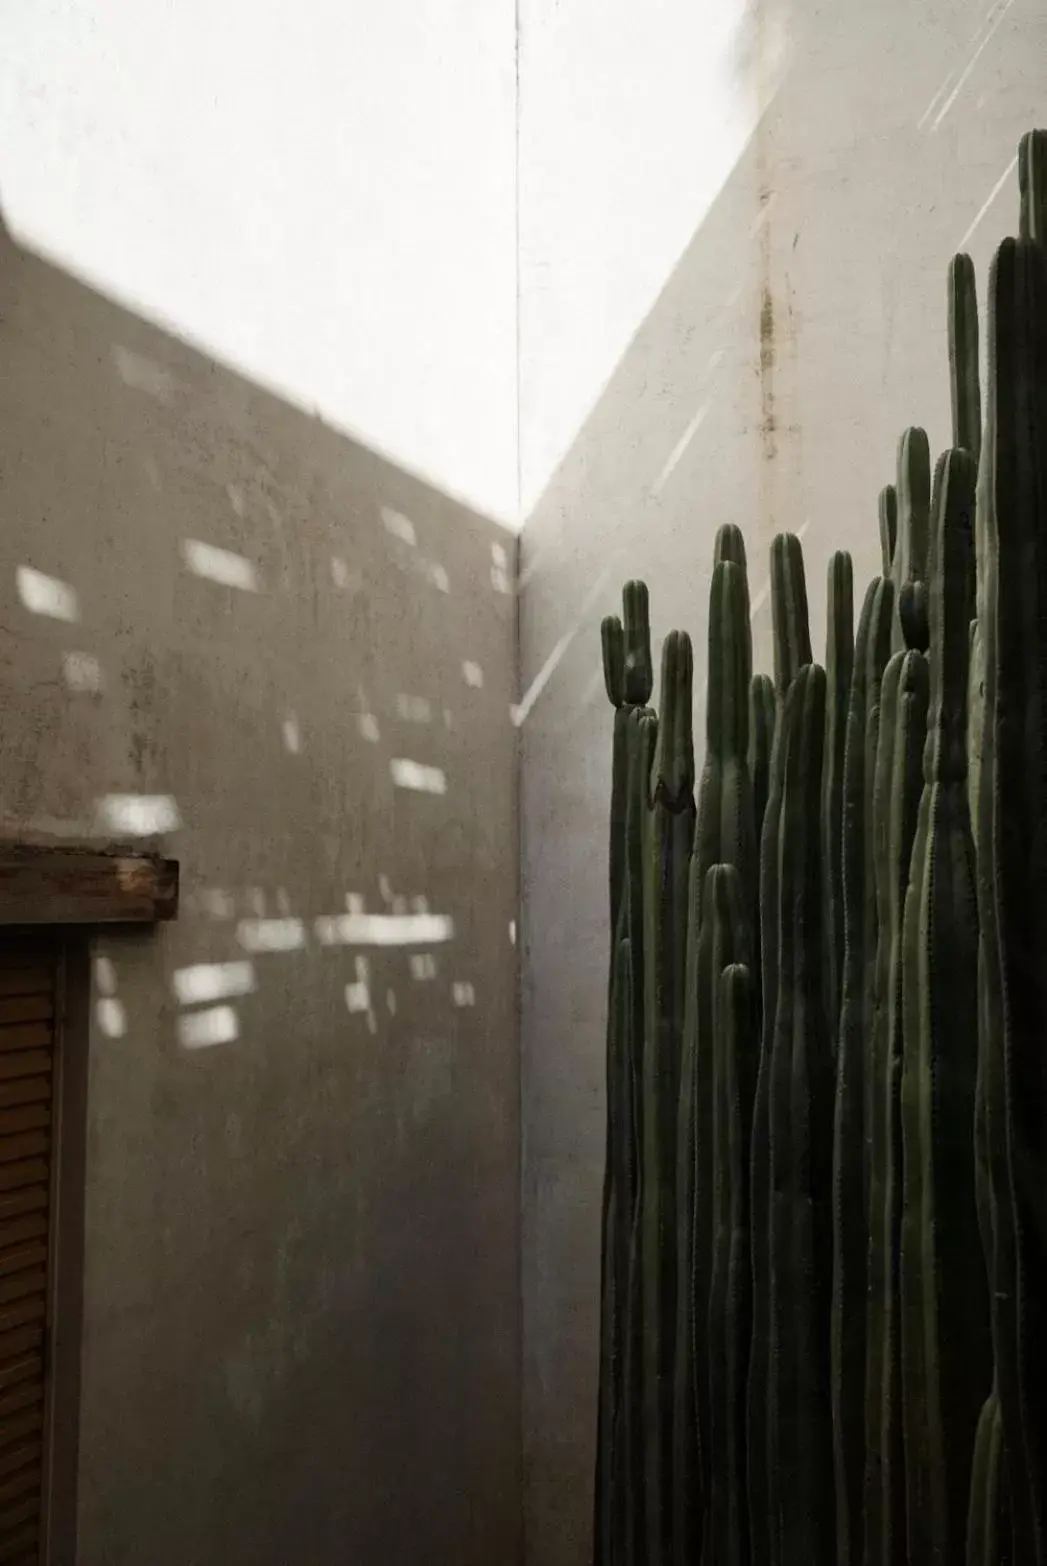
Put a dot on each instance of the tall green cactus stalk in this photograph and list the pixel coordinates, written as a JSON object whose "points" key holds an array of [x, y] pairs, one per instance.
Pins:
{"points": [[839, 663], [1013, 513], [762, 718], [792, 649], [725, 831], [850, 1259], [723, 939], [800, 1448], [988, 1517], [888, 527], [736, 1054], [624, 1030], [909, 569], [897, 790], [1032, 185], [670, 840], [963, 356], [946, 1346]]}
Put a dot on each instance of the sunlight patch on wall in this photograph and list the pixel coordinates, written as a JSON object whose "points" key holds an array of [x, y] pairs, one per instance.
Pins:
{"points": [[138, 815], [211, 981], [219, 565], [203, 1029], [414, 775], [46, 595]]}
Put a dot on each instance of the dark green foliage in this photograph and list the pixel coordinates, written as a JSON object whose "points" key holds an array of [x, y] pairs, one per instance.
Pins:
{"points": [[735, 1047], [1032, 185], [896, 797], [850, 1258], [725, 831], [963, 356], [839, 662], [800, 1455], [946, 1356]]}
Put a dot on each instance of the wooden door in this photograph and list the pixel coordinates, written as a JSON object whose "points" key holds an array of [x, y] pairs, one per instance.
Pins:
{"points": [[30, 973]]}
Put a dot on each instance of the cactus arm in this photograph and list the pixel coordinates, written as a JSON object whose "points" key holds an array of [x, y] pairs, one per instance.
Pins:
{"points": [[839, 663], [888, 528], [963, 356]]}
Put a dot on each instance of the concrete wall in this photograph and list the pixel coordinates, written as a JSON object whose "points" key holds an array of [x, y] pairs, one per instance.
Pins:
{"points": [[223, 622], [802, 329]]}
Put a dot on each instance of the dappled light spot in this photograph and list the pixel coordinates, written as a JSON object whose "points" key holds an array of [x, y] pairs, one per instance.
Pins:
{"points": [[254, 897], [473, 674], [354, 902], [47, 595], [271, 935], [141, 374], [420, 904], [398, 525], [422, 966], [82, 672], [368, 726], [512, 932], [414, 709], [236, 498], [358, 994], [438, 576], [217, 902], [219, 565], [500, 569], [390, 1002], [362, 929], [105, 975], [111, 1016], [202, 1029], [463, 994], [414, 775], [385, 888], [139, 815], [292, 735], [283, 901], [211, 981]]}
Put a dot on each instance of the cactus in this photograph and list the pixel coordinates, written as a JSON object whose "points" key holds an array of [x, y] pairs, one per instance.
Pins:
{"points": [[888, 527], [988, 1518], [839, 662], [910, 555], [1032, 185], [963, 356], [897, 789], [850, 1260], [761, 744], [792, 643], [670, 836], [1013, 831], [735, 1050], [638, 673], [723, 939], [800, 1445], [946, 1356], [724, 832]]}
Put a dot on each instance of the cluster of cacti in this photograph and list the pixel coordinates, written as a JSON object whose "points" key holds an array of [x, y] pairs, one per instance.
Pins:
{"points": [[824, 1264]]}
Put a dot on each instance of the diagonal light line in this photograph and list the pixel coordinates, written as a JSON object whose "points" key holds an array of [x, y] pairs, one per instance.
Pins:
{"points": [[523, 708], [678, 450], [971, 63], [994, 192]]}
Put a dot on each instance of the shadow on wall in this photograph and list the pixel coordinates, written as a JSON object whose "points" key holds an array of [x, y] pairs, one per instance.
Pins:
{"points": [[230, 632], [802, 330]]}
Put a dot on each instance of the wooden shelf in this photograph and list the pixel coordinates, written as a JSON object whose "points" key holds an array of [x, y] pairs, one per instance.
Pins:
{"points": [[84, 886]]}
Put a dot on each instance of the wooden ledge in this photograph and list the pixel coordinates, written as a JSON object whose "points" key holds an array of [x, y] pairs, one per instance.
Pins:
{"points": [[85, 886]]}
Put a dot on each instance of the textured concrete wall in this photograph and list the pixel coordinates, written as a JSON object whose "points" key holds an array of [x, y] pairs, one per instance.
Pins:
{"points": [[803, 328], [302, 1329]]}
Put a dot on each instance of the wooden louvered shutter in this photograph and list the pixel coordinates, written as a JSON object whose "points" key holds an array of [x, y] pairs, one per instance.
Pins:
{"points": [[29, 989]]}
